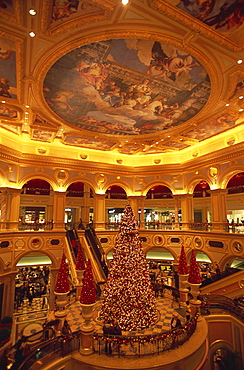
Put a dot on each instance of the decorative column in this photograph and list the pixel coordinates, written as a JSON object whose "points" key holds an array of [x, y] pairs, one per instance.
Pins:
{"points": [[80, 268], [142, 206], [14, 206], [218, 208], [183, 276], [59, 202], [53, 279], [87, 301], [99, 212], [61, 290], [85, 211], [187, 211], [3, 208], [177, 205], [194, 281]]}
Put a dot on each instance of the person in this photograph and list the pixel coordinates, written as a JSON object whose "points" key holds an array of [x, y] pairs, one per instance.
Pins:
{"points": [[108, 330], [66, 328], [90, 225], [156, 288], [217, 271], [175, 321], [81, 226], [116, 330]]}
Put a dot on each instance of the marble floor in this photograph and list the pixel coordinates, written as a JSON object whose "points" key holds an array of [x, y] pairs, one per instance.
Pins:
{"points": [[166, 306]]}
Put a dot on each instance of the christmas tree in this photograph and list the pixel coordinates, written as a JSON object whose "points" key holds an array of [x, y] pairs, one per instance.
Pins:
{"points": [[194, 274], [128, 295], [182, 269], [80, 261], [62, 283], [88, 291]]}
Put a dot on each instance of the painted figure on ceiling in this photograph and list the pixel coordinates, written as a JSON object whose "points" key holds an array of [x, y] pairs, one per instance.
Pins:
{"points": [[169, 66]]}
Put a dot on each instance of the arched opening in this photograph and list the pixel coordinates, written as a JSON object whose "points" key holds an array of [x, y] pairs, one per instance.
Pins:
{"points": [[201, 190], [77, 212], [115, 192], [31, 216], [159, 217], [202, 205], [236, 184], [31, 284], [114, 213]]}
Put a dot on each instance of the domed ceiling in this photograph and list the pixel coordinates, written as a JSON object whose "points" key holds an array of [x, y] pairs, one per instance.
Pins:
{"points": [[149, 77], [126, 87]]}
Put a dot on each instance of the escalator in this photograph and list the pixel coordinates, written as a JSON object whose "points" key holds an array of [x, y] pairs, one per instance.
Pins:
{"points": [[92, 251], [230, 285], [97, 250]]}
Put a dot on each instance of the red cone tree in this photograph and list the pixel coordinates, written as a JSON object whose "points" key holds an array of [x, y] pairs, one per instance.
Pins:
{"points": [[62, 284], [88, 291], [182, 269], [194, 274], [80, 261], [128, 295]]}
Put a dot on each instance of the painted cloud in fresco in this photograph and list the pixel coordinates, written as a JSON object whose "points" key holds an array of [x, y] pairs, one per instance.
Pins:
{"points": [[126, 87]]}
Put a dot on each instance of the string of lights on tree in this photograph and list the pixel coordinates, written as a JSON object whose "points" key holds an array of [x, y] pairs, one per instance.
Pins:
{"points": [[128, 296], [62, 283], [88, 291]]}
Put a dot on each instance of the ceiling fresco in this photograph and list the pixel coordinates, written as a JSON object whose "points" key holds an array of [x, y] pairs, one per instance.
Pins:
{"points": [[126, 87], [224, 16]]}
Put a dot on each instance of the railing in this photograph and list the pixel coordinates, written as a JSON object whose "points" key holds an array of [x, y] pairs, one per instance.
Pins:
{"points": [[217, 277], [214, 301], [55, 348], [143, 345]]}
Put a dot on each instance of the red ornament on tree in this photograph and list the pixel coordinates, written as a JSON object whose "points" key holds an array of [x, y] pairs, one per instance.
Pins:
{"points": [[62, 284], [182, 269], [88, 291], [194, 274], [80, 261]]}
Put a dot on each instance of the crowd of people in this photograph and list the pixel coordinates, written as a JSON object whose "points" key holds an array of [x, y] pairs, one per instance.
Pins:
{"points": [[31, 282]]}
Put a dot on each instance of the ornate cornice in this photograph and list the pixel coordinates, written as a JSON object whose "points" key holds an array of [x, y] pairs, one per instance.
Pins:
{"points": [[217, 157], [52, 29]]}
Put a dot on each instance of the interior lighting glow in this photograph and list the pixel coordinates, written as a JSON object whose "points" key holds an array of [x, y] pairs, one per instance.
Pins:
{"points": [[32, 34], [125, 2], [227, 104], [239, 61], [27, 106], [241, 110], [241, 97], [3, 101], [32, 12]]}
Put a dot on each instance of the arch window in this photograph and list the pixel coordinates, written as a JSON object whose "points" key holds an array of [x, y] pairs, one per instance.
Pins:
{"points": [[36, 187], [236, 184]]}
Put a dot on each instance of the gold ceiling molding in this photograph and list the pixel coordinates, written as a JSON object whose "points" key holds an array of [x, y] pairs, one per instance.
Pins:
{"points": [[54, 29], [194, 24], [17, 17]]}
